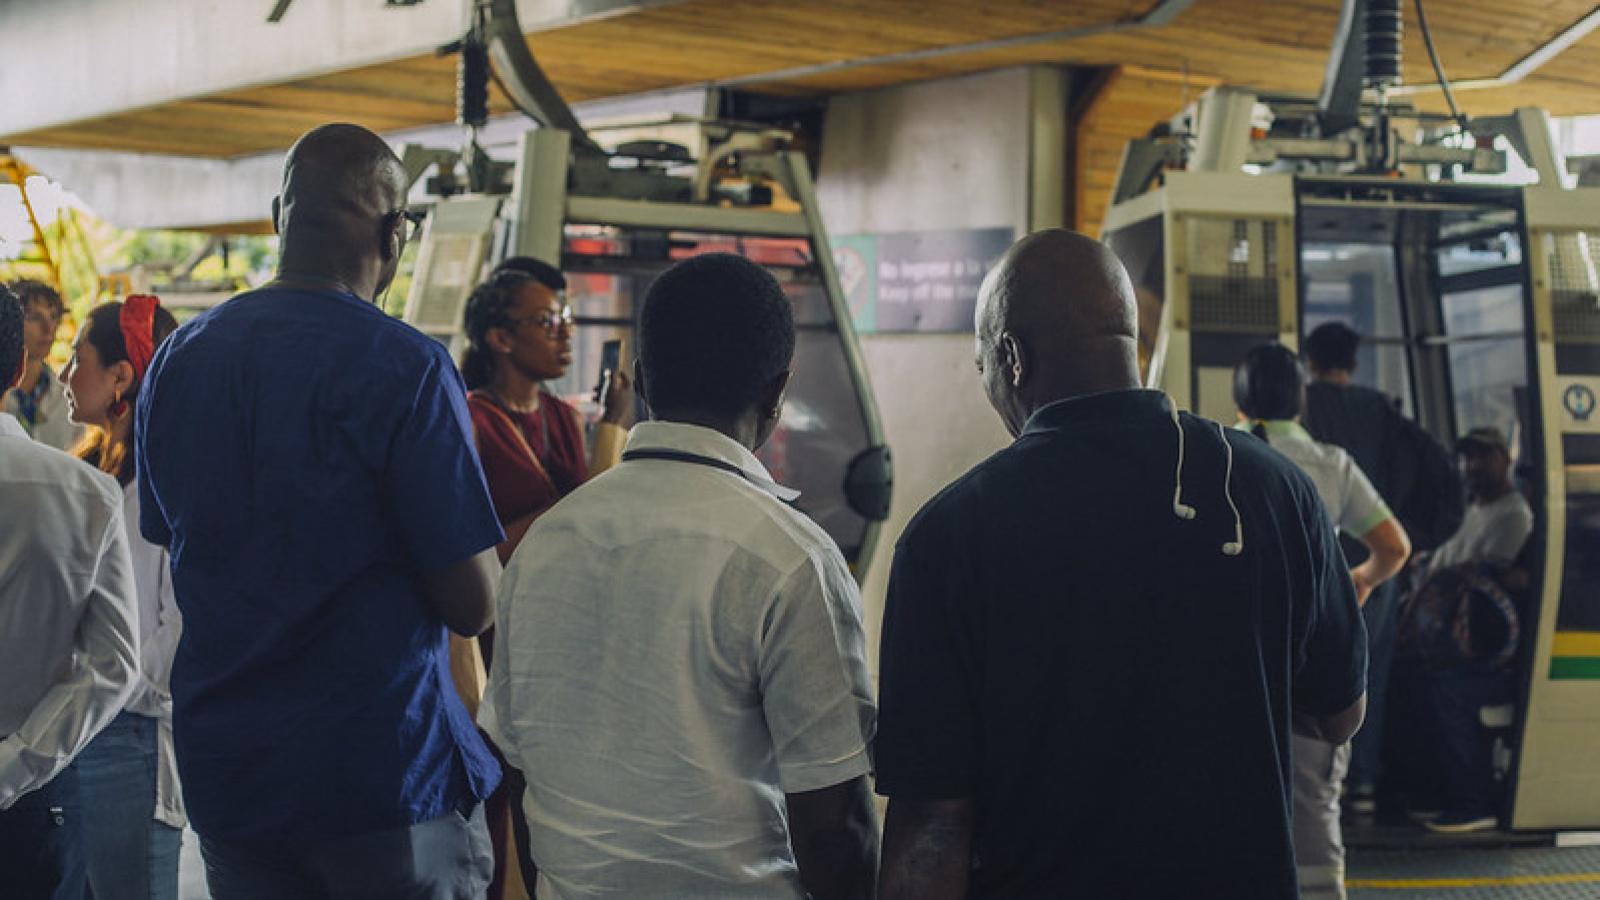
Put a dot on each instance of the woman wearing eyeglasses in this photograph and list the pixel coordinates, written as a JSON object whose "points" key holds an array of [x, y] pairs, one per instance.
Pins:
{"points": [[531, 442]]}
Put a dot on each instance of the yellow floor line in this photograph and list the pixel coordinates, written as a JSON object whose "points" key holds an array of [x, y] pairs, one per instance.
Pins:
{"points": [[1412, 884]]}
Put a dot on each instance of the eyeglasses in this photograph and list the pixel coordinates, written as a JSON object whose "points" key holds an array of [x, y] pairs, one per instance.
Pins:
{"points": [[410, 222], [552, 322]]}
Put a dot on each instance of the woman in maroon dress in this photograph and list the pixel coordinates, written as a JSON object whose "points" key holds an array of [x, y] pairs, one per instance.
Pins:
{"points": [[531, 442]]}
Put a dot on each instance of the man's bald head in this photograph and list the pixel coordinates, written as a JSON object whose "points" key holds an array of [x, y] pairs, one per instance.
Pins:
{"points": [[1056, 318], [339, 212], [339, 172], [1058, 286]]}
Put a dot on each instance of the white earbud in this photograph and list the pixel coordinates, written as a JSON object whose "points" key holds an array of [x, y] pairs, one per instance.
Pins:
{"points": [[1179, 508], [1235, 546]]}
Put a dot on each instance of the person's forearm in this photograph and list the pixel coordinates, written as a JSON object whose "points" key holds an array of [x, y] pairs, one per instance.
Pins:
{"points": [[927, 850], [1389, 548], [74, 710], [840, 865], [606, 449], [515, 530], [834, 833], [462, 594]]}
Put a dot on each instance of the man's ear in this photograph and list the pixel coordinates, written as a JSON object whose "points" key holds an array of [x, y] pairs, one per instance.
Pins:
{"points": [[389, 241], [1012, 358], [277, 210], [640, 389], [772, 395]]}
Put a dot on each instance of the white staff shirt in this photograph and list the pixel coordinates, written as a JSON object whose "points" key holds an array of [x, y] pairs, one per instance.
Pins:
{"points": [[1492, 532], [675, 650], [69, 634], [1352, 502]]}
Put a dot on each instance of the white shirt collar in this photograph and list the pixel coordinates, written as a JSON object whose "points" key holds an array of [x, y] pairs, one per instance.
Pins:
{"points": [[700, 441], [10, 427]]}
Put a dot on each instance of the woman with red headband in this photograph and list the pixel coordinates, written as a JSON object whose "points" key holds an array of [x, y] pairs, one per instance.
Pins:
{"points": [[127, 773]]}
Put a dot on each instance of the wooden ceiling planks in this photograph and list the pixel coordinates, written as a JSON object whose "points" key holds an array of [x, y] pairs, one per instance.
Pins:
{"points": [[1122, 107], [1257, 43]]}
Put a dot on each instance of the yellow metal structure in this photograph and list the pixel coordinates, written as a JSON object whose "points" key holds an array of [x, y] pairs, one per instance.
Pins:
{"points": [[15, 171]]}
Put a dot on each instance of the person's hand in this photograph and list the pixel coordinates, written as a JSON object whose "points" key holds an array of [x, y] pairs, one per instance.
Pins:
{"points": [[618, 401], [1363, 590]]}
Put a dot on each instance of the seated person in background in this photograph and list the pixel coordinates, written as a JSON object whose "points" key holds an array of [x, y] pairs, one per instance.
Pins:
{"points": [[38, 401], [1444, 693], [69, 639], [1269, 389], [682, 665], [1498, 520]]}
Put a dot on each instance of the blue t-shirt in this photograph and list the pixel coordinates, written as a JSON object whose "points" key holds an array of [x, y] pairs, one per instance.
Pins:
{"points": [[306, 458]]}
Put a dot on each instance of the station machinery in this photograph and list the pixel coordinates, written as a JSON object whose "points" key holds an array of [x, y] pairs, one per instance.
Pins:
{"points": [[614, 219], [1251, 217]]}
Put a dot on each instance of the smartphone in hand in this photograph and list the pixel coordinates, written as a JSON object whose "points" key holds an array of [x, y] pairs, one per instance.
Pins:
{"points": [[610, 361]]}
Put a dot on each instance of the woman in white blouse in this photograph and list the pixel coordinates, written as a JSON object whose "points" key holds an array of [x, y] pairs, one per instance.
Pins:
{"points": [[127, 775]]}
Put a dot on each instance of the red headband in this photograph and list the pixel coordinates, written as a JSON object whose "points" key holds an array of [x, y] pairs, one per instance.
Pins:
{"points": [[138, 321]]}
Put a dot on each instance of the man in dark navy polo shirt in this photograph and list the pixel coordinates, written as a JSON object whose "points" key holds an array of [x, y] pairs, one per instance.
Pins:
{"points": [[308, 461], [1096, 641]]}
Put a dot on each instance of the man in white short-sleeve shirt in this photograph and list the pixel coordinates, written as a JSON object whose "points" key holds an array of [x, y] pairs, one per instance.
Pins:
{"points": [[69, 639], [680, 666]]}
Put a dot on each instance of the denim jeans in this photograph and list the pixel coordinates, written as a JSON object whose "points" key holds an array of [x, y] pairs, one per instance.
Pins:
{"points": [[1441, 751], [1382, 613], [127, 852], [447, 858], [41, 856]]}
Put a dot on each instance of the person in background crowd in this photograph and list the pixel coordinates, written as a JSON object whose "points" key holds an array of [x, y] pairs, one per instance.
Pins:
{"points": [[682, 667], [69, 639], [532, 446], [1446, 695], [37, 401], [308, 462], [519, 327], [1269, 390], [128, 774], [1415, 477], [1498, 520], [1095, 639]]}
